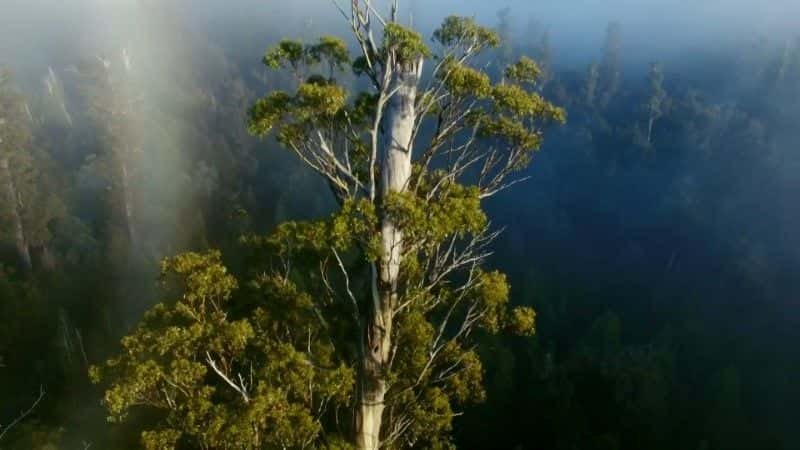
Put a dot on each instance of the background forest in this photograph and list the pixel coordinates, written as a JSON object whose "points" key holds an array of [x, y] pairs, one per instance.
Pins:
{"points": [[658, 237]]}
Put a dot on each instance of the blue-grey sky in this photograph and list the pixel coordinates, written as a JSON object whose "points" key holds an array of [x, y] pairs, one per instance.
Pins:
{"points": [[675, 21], [38, 33]]}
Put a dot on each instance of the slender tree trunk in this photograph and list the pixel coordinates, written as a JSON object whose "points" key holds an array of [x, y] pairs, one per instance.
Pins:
{"points": [[48, 261], [127, 199], [23, 249], [395, 171]]}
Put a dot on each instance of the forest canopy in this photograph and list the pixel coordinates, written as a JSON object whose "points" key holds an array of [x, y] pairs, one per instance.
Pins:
{"points": [[369, 232]]}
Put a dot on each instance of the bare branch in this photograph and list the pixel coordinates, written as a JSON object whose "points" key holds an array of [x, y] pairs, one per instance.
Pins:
{"points": [[502, 187], [240, 388], [325, 147], [340, 9], [347, 285], [377, 15], [23, 414]]}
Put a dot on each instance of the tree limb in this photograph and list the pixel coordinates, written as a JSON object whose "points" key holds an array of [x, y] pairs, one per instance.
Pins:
{"points": [[241, 388], [23, 414]]}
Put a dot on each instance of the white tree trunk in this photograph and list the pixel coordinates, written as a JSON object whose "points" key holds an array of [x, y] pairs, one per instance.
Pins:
{"points": [[395, 171], [127, 199], [23, 249]]}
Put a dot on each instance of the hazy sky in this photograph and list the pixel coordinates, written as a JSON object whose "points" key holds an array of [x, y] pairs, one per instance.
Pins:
{"points": [[40, 32]]}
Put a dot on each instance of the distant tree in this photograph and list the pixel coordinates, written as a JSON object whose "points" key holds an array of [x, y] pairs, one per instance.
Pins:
{"points": [[590, 84], [655, 98], [543, 55], [29, 203], [374, 309], [793, 69], [758, 58], [15, 140], [727, 419], [54, 99], [505, 29], [782, 64], [113, 102], [414, 12], [365, 151], [610, 65]]}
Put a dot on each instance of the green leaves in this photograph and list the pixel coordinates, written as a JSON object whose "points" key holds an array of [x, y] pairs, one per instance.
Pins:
{"points": [[316, 104], [512, 131], [515, 120], [515, 100], [184, 356], [463, 81], [523, 71], [456, 211], [407, 45], [318, 100], [492, 295], [205, 279], [354, 225], [523, 321], [294, 55], [287, 54], [161, 439], [464, 32], [520, 103], [508, 117], [331, 50], [267, 112], [314, 101]]}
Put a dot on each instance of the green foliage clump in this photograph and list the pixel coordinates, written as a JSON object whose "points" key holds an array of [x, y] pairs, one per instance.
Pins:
{"points": [[331, 50], [353, 225], [226, 368], [523, 321], [287, 54], [406, 44], [523, 71], [26, 173], [463, 81], [266, 113], [318, 100], [465, 33], [511, 131], [454, 210], [313, 102], [525, 104], [493, 293]]}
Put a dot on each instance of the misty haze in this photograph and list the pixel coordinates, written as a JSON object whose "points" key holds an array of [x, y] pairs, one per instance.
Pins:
{"points": [[389, 224]]}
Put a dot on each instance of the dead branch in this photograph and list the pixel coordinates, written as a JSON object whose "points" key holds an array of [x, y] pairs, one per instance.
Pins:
{"points": [[23, 414]]}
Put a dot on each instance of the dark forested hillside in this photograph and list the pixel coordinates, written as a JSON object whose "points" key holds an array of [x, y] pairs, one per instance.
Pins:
{"points": [[655, 234]]}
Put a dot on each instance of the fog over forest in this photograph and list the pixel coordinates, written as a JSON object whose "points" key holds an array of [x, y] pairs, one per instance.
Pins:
{"points": [[180, 245]]}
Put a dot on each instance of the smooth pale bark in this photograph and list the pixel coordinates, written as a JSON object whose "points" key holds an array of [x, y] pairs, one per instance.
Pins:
{"points": [[126, 189], [23, 249], [127, 199], [395, 171]]}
